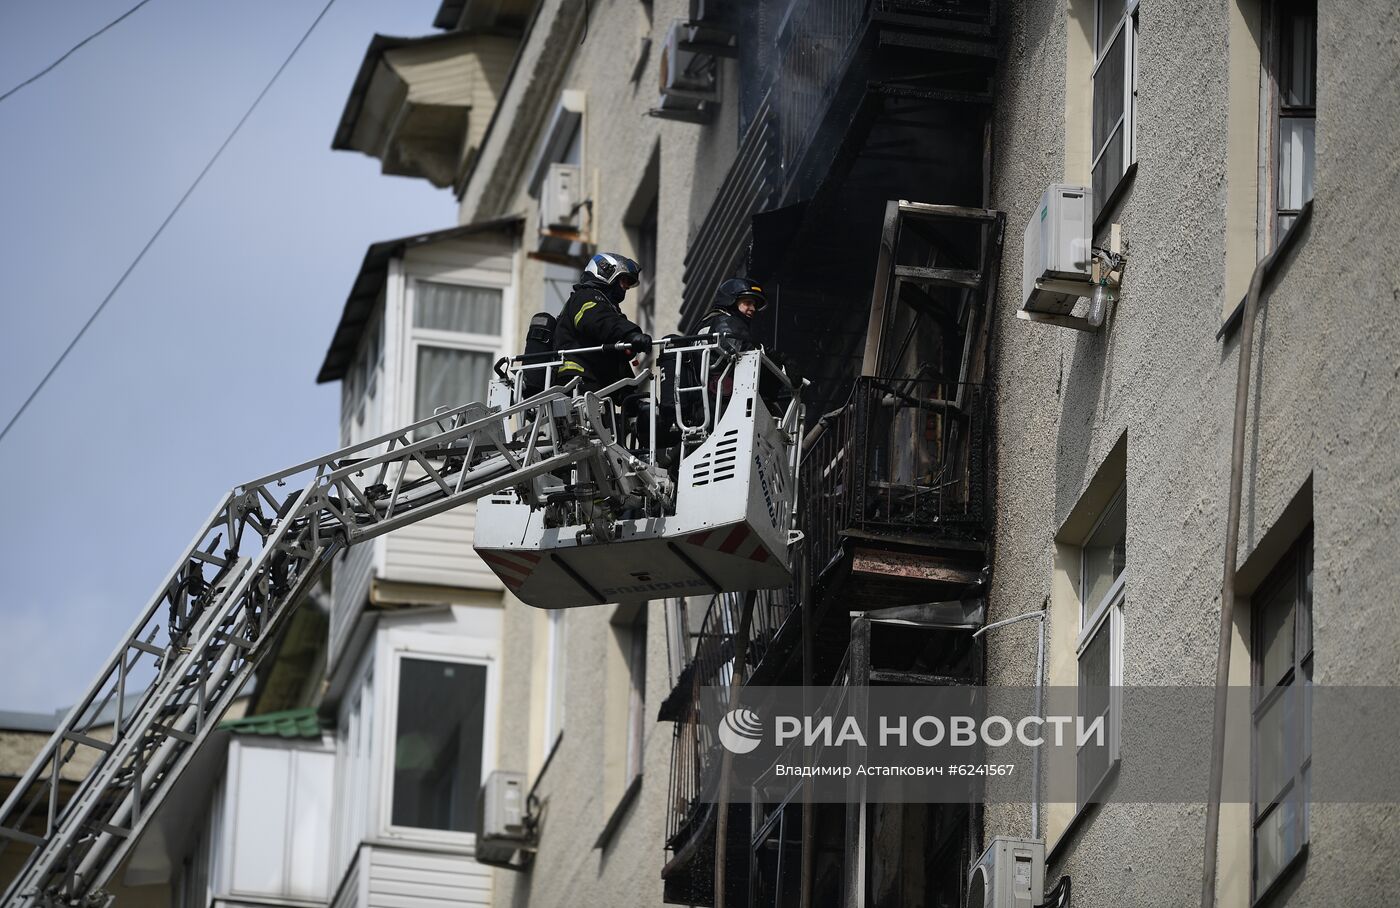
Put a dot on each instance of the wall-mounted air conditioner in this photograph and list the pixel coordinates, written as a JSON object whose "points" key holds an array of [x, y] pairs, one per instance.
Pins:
{"points": [[504, 825], [684, 71], [561, 200], [1058, 254], [1010, 874], [688, 76]]}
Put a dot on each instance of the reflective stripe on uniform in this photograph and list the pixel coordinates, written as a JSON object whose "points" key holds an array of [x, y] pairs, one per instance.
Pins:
{"points": [[582, 309], [569, 365]]}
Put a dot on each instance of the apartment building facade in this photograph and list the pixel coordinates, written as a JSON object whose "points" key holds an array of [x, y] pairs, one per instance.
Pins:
{"points": [[1114, 447], [874, 162]]}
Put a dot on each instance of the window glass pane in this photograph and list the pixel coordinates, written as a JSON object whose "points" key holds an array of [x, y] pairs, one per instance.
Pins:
{"points": [[1093, 759], [1277, 840], [1094, 678], [449, 378], [1276, 741], [1107, 172], [1104, 555], [1108, 93], [1295, 161], [452, 307], [1276, 626], [1109, 12], [1093, 673], [437, 744], [1297, 78]]}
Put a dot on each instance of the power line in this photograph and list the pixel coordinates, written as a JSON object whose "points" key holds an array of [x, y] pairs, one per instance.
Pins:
{"points": [[45, 71], [163, 224]]}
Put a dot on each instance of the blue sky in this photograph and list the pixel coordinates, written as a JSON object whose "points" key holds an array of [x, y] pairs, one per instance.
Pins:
{"points": [[200, 374]]}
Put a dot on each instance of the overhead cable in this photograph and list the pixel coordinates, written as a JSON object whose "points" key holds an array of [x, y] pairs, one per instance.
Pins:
{"points": [[163, 224], [47, 69]]}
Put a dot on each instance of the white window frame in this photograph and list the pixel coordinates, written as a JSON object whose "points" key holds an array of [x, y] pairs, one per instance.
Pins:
{"points": [[496, 345], [1107, 616], [1127, 121], [463, 650], [555, 669]]}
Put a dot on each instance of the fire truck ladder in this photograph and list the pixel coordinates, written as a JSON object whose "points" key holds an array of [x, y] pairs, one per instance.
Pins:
{"points": [[103, 774]]}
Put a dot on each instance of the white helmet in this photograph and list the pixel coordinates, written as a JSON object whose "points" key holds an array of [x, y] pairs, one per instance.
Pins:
{"points": [[612, 268]]}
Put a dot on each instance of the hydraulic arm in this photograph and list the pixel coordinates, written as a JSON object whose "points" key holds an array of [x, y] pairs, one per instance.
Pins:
{"points": [[104, 772]]}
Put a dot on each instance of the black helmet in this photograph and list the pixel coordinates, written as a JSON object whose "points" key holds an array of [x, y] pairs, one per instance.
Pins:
{"points": [[737, 288]]}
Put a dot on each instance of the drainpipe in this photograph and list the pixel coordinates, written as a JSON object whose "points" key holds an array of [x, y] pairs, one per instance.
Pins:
{"points": [[1232, 540], [1039, 705]]}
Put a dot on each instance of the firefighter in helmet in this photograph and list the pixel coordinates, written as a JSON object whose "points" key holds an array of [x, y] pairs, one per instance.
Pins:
{"points": [[735, 303], [593, 317], [730, 319]]}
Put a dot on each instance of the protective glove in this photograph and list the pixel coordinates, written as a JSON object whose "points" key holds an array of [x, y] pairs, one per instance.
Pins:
{"points": [[639, 342]]}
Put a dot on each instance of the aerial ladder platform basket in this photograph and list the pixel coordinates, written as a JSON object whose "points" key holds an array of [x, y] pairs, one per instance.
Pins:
{"points": [[720, 521], [680, 479]]}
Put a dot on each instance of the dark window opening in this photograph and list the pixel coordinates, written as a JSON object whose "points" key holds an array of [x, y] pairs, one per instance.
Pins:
{"points": [[438, 744]]}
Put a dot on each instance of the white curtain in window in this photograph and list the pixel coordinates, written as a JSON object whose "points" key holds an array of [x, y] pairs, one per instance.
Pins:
{"points": [[449, 378], [454, 307]]}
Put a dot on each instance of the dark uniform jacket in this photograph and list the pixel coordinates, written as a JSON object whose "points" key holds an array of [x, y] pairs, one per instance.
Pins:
{"points": [[733, 330], [589, 319]]}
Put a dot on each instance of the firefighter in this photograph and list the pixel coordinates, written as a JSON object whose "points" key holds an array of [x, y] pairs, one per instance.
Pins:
{"points": [[736, 302], [593, 317]]}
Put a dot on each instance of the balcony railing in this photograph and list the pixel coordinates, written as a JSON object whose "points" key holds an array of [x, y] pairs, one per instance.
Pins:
{"points": [[904, 459], [694, 753]]}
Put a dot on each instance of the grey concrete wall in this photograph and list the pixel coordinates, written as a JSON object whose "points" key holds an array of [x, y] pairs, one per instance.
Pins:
{"points": [[578, 787], [1324, 401]]}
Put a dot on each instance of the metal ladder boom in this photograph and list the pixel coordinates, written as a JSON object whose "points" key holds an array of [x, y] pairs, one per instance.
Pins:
{"points": [[116, 755]]}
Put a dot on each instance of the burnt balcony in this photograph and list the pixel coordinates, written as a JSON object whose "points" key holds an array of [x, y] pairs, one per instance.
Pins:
{"points": [[885, 99], [894, 494]]}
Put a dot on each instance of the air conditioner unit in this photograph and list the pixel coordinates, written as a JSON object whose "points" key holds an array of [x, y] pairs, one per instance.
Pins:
{"points": [[561, 200], [686, 73], [503, 821], [1010, 874], [1058, 251]]}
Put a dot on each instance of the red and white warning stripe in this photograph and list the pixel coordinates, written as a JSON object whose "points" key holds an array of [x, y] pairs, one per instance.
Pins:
{"points": [[514, 568], [735, 540]]}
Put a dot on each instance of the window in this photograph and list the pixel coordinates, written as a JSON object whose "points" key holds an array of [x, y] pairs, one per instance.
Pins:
{"points": [[1115, 96], [1282, 663], [1101, 585], [637, 693], [438, 744], [455, 336], [1291, 83], [554, 685]]}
